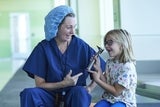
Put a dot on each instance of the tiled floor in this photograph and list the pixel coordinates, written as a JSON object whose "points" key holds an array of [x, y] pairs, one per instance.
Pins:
{"points": [[9, 95], [8, 67], [13, 80]]}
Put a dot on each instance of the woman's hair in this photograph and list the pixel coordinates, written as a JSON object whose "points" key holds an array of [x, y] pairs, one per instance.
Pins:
{"points": [[68, 15], [124, 39], [53, 20]]}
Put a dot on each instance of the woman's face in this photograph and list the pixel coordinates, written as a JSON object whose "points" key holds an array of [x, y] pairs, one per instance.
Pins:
{"points": [[67, 29], [114, 48]]}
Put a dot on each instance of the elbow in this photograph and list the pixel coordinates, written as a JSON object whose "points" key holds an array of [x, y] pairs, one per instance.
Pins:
{"points": [[116, 93], [38, 84], [117, 90]]}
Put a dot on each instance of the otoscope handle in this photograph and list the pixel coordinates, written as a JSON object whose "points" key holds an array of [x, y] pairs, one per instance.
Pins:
{"points": [[93, 60], [90, 64]]}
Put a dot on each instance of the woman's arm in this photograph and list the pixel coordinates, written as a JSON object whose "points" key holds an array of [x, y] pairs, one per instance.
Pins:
{"points": [[40, 82], [67, 81]]}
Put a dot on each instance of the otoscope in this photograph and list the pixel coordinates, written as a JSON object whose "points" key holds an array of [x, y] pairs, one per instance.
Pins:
{"points": [[93, 60]]}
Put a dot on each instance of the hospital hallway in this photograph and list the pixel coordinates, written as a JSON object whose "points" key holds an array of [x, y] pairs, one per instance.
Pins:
{"points": [[22, 28], [14, 80]]}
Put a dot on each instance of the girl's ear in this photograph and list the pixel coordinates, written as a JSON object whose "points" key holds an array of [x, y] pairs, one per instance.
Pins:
{"points": [[121, 47]]}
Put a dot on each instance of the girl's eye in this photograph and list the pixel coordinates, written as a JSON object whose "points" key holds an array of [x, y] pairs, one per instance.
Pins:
{"points": [[109, 42]]}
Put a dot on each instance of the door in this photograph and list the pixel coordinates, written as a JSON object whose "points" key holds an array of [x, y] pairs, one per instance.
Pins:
{"points": [[20, 35]]}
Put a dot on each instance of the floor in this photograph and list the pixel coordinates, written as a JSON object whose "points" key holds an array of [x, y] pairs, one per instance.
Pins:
{"points": [[14, 80], [8, 67]]}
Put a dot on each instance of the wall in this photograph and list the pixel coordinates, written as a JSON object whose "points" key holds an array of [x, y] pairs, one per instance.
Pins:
{"points": [[37, 9], [89, 21], [88, 13], [141, 19]]}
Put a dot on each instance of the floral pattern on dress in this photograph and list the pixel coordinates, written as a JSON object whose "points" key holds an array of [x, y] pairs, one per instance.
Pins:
{"points": [[125, 75]]}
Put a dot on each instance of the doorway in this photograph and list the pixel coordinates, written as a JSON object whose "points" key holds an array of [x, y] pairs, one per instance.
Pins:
{"points": [[20, 35]]}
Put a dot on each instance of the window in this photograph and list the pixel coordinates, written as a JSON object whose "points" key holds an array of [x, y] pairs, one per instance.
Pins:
{"points": [[59, 2]]}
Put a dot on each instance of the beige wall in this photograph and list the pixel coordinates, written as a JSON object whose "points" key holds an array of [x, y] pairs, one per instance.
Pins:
{"points": [[89, 21], [36, 9]]}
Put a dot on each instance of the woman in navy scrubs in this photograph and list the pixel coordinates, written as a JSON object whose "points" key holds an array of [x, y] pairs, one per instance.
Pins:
{"points": [[58, 64]]}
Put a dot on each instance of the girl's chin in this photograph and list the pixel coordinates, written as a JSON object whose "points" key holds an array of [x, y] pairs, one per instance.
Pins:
{"points": [[111, 55]]}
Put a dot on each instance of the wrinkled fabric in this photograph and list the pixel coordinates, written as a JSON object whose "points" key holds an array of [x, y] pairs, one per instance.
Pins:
{"points": [[53, 19], [105, 103], [47, 62], [126, 76], [38, 97]]}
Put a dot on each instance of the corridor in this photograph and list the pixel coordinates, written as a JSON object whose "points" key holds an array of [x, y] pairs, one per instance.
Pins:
{"points": [[18, 80]]}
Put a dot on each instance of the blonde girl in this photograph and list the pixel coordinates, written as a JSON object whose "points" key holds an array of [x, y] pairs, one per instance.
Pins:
{"points": [[119, 79]]}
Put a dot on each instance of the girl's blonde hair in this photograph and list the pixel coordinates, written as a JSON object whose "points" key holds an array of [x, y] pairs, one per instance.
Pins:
{"points": [[124, 39]]}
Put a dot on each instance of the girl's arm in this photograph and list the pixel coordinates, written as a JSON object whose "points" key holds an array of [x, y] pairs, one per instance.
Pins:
{"points": [[100, 79], [115, 89]]}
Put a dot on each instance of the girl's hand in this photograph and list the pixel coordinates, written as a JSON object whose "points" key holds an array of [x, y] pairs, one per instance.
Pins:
{"points": [[95, 75]]}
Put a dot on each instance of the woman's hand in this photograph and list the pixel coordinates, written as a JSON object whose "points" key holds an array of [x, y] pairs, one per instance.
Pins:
{"points": [[71, 80], [67, 81]]}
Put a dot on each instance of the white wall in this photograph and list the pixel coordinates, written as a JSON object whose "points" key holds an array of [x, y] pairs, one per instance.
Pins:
{"points": [[142, 19], [146, 47], [89, 23], [106, 17]]}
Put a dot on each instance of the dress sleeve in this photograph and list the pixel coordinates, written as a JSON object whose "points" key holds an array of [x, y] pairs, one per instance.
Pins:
{"points": [[36, 63], [124, 78]]}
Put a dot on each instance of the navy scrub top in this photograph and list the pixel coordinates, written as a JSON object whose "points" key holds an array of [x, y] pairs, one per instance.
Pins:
{"points": [[46, 60]]}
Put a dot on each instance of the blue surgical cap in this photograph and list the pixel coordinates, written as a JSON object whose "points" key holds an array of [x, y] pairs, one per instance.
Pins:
{"points": [[53, 19]]}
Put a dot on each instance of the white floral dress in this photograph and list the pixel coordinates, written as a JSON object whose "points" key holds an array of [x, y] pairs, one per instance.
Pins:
{"points": [[125, 75]]}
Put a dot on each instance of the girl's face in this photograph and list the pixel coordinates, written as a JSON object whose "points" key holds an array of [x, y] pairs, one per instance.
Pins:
{"points": [[114, 48], [67, 29]]}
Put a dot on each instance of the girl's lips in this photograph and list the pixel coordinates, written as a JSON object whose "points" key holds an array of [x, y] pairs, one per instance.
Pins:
{"points": [[109, 50]]}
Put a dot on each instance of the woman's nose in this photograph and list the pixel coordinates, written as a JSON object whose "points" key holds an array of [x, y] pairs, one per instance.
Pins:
{"points": [[72, 31]]}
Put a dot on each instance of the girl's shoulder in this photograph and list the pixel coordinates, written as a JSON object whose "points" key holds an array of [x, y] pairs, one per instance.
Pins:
{"points": [[128, 64]]}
